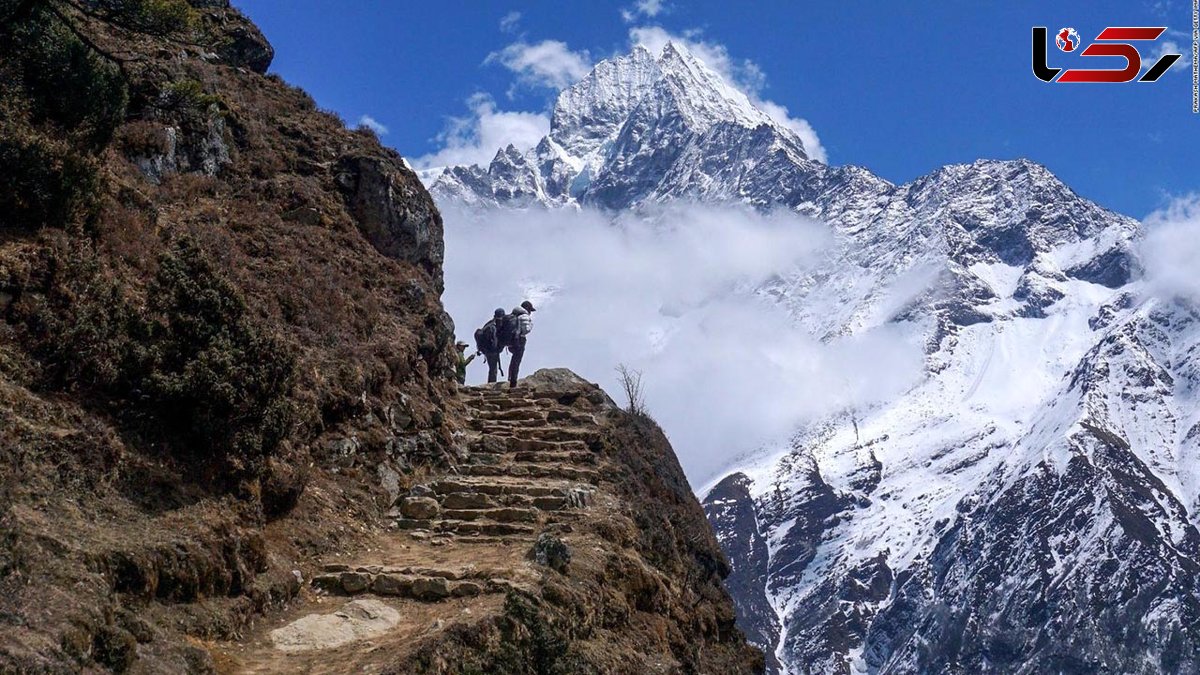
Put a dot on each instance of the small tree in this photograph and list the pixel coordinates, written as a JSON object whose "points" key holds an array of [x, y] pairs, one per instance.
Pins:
{"points": [[631, 384]]}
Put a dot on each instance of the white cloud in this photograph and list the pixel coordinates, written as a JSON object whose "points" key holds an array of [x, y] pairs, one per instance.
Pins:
{"points": [[648, 8], [549, 63], [1167, 46], [1172, 247], [743, 74], [510, 22], [801, 127], [476, 138], [725, 370], [372, 124]]}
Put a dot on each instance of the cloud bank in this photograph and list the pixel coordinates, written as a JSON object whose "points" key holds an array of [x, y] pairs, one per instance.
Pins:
{"points": [[1172, 248], [510, 22], [474, 139], [725, 370], [647, 8]]}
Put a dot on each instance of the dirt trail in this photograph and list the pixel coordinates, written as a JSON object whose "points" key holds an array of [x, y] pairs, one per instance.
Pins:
{"points": [[460, 541]]}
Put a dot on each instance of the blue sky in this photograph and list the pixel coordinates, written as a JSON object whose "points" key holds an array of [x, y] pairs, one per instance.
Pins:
{"points": [[898, 87]]}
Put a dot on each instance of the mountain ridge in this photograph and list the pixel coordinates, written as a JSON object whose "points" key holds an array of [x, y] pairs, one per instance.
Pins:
{"points": [[1046, 446]]}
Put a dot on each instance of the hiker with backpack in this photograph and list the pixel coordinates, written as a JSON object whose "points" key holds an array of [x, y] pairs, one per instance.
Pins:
{"points": [[505, 331], [488, 343], [517, 327]]}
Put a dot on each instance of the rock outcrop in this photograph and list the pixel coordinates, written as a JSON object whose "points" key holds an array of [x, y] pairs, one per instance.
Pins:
{"points": [[566, 540]]}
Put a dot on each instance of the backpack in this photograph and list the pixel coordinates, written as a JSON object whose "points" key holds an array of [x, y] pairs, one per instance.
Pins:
{"points": [[506, 332], [486, 338]]}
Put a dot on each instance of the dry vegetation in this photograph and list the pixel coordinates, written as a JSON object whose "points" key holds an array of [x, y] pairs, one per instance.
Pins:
{"points": [[201, 323]]}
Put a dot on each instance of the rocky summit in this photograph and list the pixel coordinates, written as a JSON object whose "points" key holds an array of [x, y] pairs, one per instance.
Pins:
{"points": [[1027, 503]]}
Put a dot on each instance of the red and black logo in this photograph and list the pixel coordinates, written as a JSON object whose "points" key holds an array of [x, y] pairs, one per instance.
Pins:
{"points": [[1112, 41]]}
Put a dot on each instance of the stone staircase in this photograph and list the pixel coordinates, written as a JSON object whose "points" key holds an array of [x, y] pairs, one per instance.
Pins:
{"points": [[529, 466], [461, 536]]}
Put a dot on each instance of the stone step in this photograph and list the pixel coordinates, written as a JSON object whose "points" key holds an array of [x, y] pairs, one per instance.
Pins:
{"points": [[490, 541], [551, 434], [576, 498], [484, 527], [468, 500], [568, 457], [504, 514], [566, 415], [517, 415], [490, 427], [402, 584], [503, 445], [500, 392], [529, 469], [494, 487], [541, 456]]}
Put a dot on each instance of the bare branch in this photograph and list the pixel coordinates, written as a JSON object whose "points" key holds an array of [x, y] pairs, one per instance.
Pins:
{"points": [[631, 384]]}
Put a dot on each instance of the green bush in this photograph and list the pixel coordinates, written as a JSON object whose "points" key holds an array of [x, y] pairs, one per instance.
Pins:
{"points": [[67, 83], [216, 379], [83, 329], [155, 17], [43, 182], [190, 368], [188, 100]]}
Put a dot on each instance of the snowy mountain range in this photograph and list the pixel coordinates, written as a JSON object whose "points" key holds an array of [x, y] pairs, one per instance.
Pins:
{"points": [[1029, 505]]}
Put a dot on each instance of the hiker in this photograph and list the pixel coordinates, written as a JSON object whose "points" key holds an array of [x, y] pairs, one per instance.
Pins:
{"points": [[463, 361], [518, 325], [487, 342]]}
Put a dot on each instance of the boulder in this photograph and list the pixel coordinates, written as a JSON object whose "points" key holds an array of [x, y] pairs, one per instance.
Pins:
{"points": [[430, 588], [466, 589], [550, 551], [355, 582], [420, 508], [392, 584]]}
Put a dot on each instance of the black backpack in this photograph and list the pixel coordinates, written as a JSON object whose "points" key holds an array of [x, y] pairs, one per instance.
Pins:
{"points": [[506, 332], [486, 338]]}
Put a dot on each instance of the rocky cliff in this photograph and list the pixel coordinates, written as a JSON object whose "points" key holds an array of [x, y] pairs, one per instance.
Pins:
{"points": [[224, 359]]}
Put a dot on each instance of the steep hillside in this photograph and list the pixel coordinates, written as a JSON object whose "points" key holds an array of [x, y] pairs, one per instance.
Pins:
{"points": [[223, 354]]}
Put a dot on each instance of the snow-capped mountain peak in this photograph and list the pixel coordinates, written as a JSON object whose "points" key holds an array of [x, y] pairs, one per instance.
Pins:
{"points": [[631, 132], [591, 111], [1029, 504]]}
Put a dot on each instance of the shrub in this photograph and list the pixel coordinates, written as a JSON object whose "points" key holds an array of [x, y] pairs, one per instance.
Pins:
{"points": [[217, 380], [67, 82], [82, 328], [191, 368], [154, 17], [187, 96], [143, 139], [43, 182]]}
